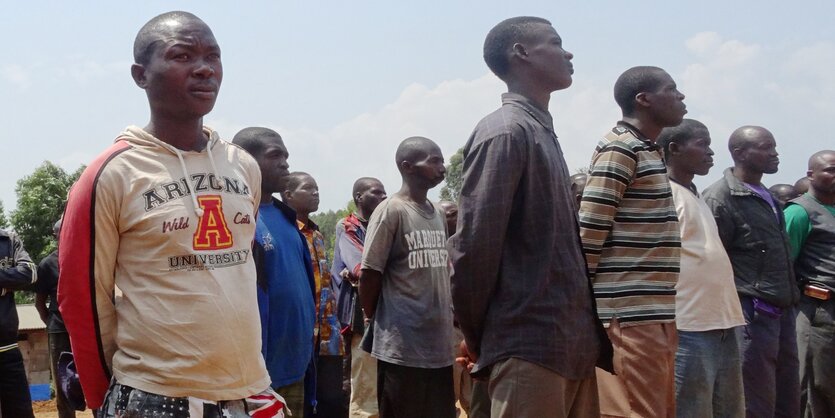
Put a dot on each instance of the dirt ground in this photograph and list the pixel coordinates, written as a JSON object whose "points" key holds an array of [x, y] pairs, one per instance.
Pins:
{"points": [[46, 409]]}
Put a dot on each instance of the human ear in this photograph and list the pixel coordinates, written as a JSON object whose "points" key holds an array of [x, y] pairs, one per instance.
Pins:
{"points": [[137, 71], [674, 148], [518, 50], [738, 154], [406, 166], [642, 99]]}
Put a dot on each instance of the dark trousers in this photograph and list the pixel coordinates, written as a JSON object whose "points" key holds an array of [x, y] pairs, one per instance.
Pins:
{"points": [[412, 392], [770, 369], [330, 397], [59, 342], [14, 389], [816, 351]]}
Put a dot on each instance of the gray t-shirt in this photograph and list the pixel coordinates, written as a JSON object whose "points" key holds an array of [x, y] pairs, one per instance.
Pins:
{"points": [[413, 322]]}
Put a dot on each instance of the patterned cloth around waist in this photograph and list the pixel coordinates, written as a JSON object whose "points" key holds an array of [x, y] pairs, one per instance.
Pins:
{"points": [[126, 402]]}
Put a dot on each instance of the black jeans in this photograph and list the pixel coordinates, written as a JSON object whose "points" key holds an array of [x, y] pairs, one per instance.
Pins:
{"points": [[412, 392], [14, 389], [330, 396], [770, 368]]}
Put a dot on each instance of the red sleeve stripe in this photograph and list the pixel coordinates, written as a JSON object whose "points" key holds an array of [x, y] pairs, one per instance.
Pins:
{"points": [[77, 279]]}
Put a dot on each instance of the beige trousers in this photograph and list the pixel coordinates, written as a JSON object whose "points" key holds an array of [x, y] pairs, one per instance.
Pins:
{"points": [[644, 386], [520, 389], [363, 382]]}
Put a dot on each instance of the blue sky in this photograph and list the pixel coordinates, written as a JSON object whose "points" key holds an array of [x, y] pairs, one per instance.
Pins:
{"points": [[344, 82]]}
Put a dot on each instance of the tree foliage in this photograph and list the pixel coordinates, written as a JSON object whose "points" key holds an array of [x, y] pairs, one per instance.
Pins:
{"points": [[41, 197], [327, 224], [452, 186], [4, 222]]}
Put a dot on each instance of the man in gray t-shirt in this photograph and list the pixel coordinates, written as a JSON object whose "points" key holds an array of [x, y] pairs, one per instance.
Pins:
{"points": [[413, 322], [404, 289]]}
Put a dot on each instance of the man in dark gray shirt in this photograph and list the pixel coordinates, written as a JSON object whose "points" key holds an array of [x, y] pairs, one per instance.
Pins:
{"points": [[519, 285], [404, 290]]}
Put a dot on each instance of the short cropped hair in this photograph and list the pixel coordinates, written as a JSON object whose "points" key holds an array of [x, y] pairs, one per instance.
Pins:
{"points": [[148, 36], [293, 180], [413, 149], [362, 184], [687, 130], [633, 81], [502, 37], [252, 139]]}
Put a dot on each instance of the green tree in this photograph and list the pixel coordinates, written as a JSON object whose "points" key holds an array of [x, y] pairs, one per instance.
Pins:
{"points": [[327, 224], [4, 222], [452, 186], [41, 197]]}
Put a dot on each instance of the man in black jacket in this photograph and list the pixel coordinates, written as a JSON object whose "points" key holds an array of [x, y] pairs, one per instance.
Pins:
{"points": [[16, 272], [752, 229]]}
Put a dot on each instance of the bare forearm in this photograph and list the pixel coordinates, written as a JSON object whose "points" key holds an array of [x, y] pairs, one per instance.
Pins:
{"points": [[40, 305], [370, 285]]}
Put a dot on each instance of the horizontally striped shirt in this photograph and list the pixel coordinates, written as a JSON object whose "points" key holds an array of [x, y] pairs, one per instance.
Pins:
{"points": [[629, 229]]}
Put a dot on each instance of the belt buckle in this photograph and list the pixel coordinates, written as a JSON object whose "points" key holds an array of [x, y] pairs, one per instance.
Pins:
{"points": [[817, 292]]}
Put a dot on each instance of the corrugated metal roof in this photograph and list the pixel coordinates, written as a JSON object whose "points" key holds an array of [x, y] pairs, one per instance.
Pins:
{"points": [[29, 318]]}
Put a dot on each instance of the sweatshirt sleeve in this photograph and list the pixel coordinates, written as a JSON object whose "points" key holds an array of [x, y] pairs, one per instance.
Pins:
{"points": [[612, 170], [87, 261], [20, 274]]}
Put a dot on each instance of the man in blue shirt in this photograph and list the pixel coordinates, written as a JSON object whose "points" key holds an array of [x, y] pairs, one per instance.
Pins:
{"points": [[285, 275]]}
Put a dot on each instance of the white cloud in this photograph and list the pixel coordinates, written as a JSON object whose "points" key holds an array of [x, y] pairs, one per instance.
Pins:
{"points": [[703, 42], [16, 75], [787, 88], [365, 144], [582, 115], [728, 83]]}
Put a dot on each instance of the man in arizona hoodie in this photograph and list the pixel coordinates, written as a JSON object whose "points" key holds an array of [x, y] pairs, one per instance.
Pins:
{"points": [[167, 216]]}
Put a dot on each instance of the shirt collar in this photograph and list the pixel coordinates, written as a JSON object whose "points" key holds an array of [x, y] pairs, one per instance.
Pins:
{"points": [[287, 211], [310, 225], [691, 187], [735, 185], [542, 116], [640, 135]]}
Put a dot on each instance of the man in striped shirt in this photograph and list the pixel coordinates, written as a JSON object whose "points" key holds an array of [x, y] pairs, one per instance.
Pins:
{"points": [[630, 235]]}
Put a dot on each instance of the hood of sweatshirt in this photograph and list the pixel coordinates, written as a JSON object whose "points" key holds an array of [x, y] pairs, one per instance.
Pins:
{"points": [[139, 138]]}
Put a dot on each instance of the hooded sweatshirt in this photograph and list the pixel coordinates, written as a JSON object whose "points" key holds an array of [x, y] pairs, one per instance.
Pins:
{"points": [[172, 230]]}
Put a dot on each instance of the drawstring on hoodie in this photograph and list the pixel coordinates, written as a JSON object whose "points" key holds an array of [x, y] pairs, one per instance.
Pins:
{"points": [[197, 209], [139, 133]]}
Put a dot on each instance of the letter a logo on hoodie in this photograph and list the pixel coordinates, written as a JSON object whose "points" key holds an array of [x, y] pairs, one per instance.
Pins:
{"points": [[212, 232]]}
